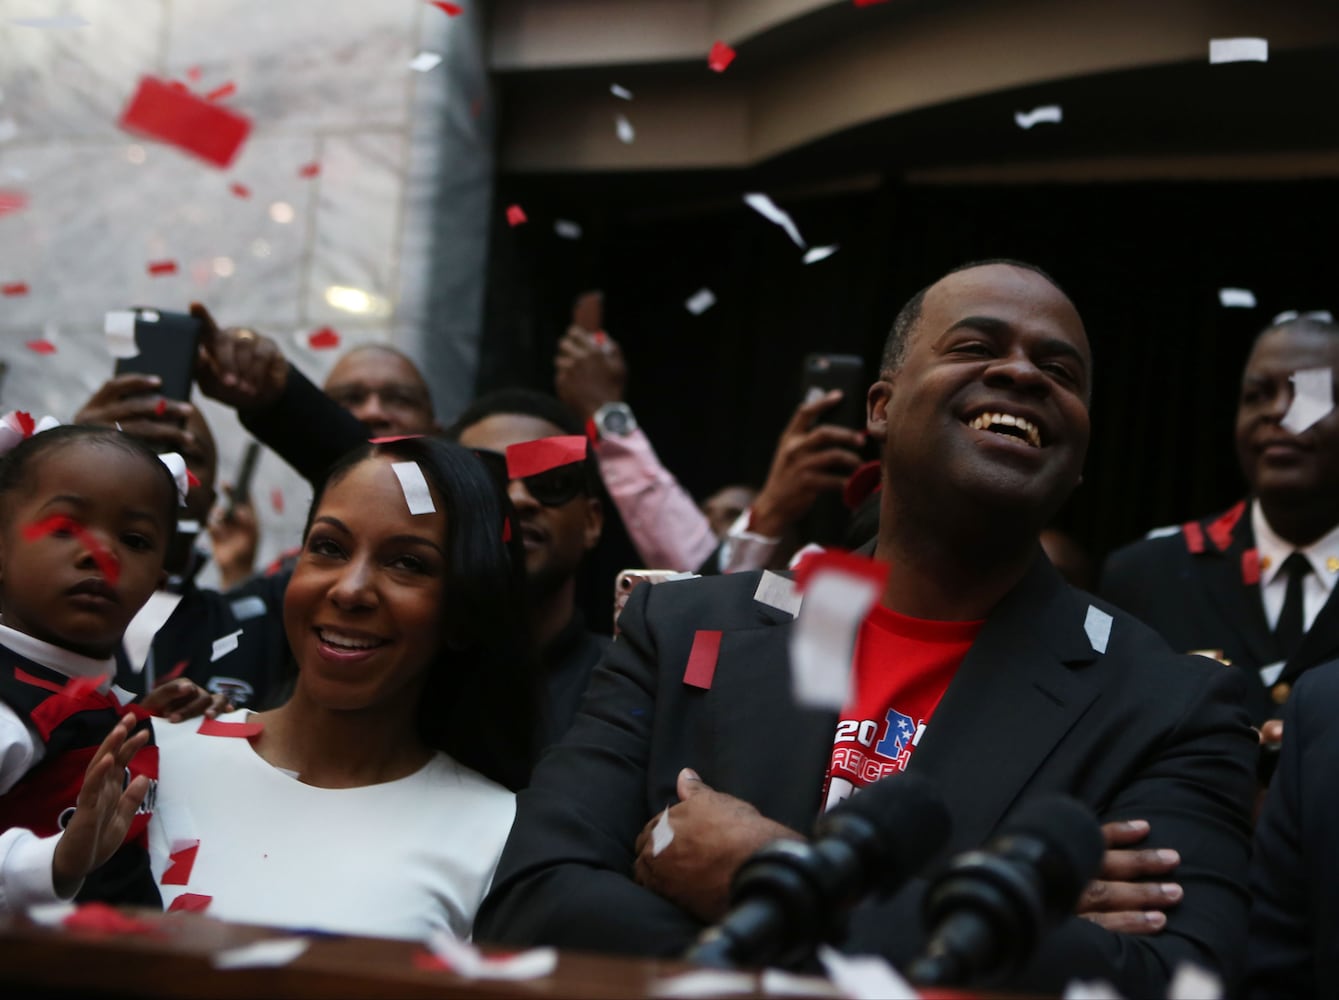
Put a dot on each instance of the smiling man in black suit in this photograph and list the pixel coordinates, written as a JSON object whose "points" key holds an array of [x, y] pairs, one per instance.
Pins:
{"points": [[1014, 683]]}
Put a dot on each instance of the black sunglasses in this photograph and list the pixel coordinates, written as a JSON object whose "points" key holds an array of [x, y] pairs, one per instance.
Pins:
{"points": [[552, 488]]}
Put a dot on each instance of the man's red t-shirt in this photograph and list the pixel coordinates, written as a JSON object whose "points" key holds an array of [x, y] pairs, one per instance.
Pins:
{"points": [[902, 668]]}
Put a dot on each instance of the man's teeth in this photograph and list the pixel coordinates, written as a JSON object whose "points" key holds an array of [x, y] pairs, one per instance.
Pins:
{"points": [[347, 641], [989, 421]]}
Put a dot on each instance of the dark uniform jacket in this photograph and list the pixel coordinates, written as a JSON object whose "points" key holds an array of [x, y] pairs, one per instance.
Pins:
{"points": [[1199, 587]]}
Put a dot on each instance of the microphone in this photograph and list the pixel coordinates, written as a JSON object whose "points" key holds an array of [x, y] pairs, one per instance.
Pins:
{"points": [[787, 896], [987, 909]]}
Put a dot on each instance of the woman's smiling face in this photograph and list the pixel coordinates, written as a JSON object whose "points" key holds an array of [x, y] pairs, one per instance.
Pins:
{"points": [[363, 611]]}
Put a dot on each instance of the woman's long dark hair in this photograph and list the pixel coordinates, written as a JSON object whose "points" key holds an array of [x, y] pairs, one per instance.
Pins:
{"points": [[480, 703]]}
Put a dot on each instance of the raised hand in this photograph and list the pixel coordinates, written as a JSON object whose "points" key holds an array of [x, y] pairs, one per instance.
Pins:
{"points": [[239, 367]]}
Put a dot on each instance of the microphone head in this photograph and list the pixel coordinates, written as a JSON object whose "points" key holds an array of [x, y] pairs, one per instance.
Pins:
{"points": [[1069, 839], [898, 824]]}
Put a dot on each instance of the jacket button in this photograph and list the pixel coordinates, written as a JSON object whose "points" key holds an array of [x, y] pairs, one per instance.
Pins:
{"points": [[1280, 692]]}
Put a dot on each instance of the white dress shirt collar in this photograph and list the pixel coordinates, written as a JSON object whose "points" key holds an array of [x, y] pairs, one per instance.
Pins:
{"points": [[56, 658], [1323, 553]]}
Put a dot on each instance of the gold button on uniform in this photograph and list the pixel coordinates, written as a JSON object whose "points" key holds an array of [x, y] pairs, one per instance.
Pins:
{"points": [[1281, 692], [1332, 564]]}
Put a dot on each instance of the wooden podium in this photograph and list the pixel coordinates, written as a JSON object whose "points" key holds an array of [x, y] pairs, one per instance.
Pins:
{"points": [[174, 960]]}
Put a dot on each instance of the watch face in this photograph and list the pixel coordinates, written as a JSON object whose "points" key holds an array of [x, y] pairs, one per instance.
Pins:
{"points": [[616, 422]]}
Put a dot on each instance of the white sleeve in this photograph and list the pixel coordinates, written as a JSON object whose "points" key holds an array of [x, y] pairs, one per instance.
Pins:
{"points": [[25, 869], [20, 749]]}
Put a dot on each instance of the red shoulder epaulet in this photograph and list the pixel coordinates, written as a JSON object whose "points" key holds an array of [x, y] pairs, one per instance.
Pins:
{"points": [[1221, 530], [1194, 537]]}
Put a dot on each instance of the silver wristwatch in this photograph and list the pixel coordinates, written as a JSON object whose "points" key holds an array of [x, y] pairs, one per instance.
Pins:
{"points": [[615, 420]]}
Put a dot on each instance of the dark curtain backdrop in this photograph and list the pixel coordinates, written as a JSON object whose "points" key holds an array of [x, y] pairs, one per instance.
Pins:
{"points": [[1144, 263]]}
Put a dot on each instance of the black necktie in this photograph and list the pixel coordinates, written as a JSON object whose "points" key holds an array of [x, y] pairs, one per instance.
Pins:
{"points": [[1289, 629]]}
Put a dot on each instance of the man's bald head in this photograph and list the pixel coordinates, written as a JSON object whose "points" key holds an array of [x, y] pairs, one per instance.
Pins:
{"points": [[384, 389]]}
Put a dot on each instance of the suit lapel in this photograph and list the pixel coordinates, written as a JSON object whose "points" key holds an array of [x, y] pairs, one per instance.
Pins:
{"points": [[1015, 694], [758, 732], [1238, 602]]}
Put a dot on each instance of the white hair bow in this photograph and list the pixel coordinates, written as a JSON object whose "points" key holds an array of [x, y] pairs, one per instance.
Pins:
{"points": [[180, 474], [16, 426]]}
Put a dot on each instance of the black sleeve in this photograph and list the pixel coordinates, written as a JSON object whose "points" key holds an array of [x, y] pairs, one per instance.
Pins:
{"points": [[1279, 960], [566, 874], [305, 427]]}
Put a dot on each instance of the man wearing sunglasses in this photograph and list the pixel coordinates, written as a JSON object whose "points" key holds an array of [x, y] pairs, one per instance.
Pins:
{"points": [[560, 518]]}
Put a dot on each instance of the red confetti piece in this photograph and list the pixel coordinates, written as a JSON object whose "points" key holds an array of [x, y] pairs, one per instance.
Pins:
{"points": [[323, 339], [161, 408], [174, 673], [506, 530], [192, 480], [190, 902], [103, 919], [426, 961], [81, 687], [234, 730], [161, 267], [844, 562], [530, 458], [26, 422], [14, 288], [178, 85], [240, 190], [701, 666], [12, 202], [181, 862], [277, 501], [41, 346], [449, 9], [720, 56], [194, 74], [309, 170], [1250, 567], [393, 438], [219, 93], [107, 563], [206, 130], [515, 216]]}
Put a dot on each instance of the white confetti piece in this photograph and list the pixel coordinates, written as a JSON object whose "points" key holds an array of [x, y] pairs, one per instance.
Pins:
{"points": [[703, 983], [821, 644], [1079, 990], [1236, 298], [700, 301], [262, 954], [780, 983], [777, 591], [567, 229], [626, 133], [187, 527], [1288, 315], [224, 645], [864, 977], [414, 487], [59, 22], [1097, 624], [1230, 50], [119, 327], [623, 93], [425, 61], [1313, 399], [1269, 673], [1051, 113], [662, 834], [246, 608], [50, 914], [1194, 983], [768, 209], [466, 960], [815, 254]]}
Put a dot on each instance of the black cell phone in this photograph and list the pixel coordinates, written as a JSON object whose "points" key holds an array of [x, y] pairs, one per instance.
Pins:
{"points": [[846, 372], [241, 491], [167, 343]]}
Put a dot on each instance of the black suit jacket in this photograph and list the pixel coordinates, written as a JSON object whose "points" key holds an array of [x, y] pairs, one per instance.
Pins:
{"points": [[1137, 732], [1191, 587], [1294, 942]]}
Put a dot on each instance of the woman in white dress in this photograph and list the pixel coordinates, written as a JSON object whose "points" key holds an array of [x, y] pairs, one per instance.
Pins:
{"points": [[377, 799]]}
